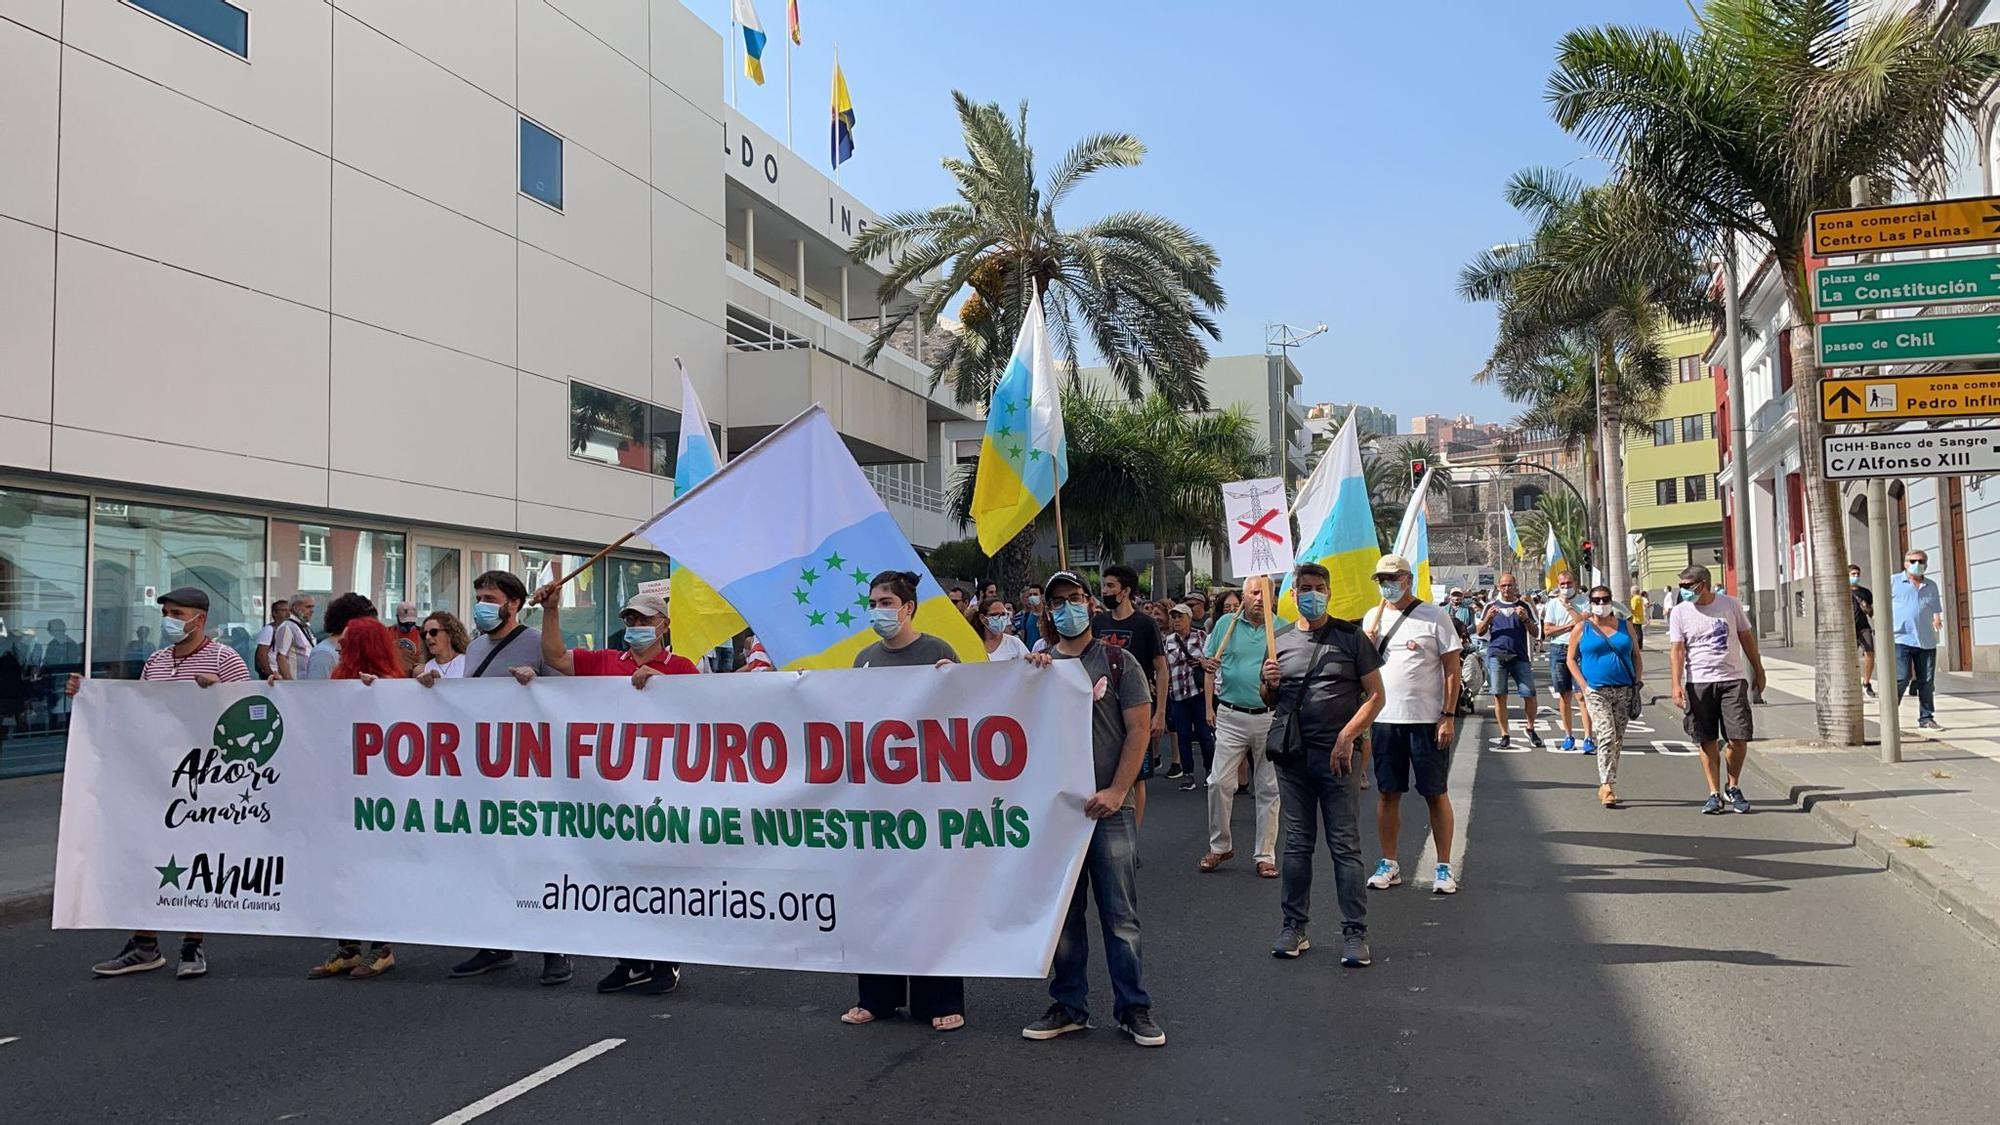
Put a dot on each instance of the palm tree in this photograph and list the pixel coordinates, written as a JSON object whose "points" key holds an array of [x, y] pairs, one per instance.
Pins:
{"points": [[1387, 479], [1767, 111], [1562, 512], [1141, 286]]}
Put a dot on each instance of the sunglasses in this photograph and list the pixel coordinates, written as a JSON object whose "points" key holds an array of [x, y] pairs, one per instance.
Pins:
{"points": [[433, 632], [1600, 601]]}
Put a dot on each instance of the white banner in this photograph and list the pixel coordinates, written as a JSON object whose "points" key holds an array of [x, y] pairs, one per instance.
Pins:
{"points": [[926, 821], [1259, 525]]}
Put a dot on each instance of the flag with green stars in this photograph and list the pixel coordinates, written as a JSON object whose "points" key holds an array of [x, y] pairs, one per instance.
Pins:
{"points": [[1024, 458], [791, 533]]}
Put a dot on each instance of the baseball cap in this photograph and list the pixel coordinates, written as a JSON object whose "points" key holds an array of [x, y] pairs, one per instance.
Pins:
{"points": [[646, 605], [1196, 596], [1068, 576], [1181, 609], [406, 612], [1392, 564], [187, 597]]}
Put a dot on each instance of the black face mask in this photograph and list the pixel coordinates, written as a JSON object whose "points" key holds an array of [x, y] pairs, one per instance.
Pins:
{"points": [[1111, 599]]}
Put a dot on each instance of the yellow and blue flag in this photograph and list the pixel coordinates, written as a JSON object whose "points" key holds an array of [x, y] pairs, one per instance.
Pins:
{"points": [[1024, 458], [1344, 543], [701, 618], [792, 22], [843, 119], [790, 534], [745, 14], [1513, 537], [1552, 561], [1413, 540]]}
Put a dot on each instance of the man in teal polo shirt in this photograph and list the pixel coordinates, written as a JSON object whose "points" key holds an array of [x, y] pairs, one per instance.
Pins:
{"points": [[1241, 719]]}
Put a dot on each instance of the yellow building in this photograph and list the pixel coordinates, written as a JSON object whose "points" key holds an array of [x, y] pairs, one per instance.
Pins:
{"points": [[1671, 508]]}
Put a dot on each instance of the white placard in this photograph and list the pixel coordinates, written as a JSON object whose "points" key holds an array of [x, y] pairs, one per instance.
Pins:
{"points": [[1259, 526]]}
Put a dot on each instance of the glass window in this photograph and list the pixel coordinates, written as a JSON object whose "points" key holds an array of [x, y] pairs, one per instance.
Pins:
{"points": [[1663, 431], [627, 577], [1689, 368], [437, 580], [142, 551], [1696, 488], [583, 624], [615, 429], [965, 451], [541, 164], [1663, 492], [225, 25], [1691, 428], [312, 546], [41, 625], [335, 560]]}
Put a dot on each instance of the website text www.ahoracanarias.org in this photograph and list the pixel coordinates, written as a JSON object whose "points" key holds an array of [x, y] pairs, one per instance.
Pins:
{"points": [[817, 908]]}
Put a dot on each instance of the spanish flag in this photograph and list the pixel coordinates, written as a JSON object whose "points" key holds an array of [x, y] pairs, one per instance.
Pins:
{"points": [[843, 118], [745, 15]]}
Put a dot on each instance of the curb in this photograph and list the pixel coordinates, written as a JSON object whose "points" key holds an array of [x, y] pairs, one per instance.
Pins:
{"points": [[1977, 908], [27, 906]]}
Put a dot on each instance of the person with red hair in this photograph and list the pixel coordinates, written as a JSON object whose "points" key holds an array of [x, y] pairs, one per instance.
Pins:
{"points": [[367, 653]]}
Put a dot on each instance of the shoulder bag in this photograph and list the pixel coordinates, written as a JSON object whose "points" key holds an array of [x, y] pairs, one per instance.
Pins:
{"points": [[495, 650], [1285, 745]]}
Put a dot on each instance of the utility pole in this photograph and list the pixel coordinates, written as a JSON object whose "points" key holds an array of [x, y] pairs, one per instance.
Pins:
{"points": [[1880, 574], [1739, 444]]}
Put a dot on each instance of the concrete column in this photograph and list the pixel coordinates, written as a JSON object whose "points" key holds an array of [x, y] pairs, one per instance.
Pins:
{"points": [[750, 239], [800, 272], [845, 315]]}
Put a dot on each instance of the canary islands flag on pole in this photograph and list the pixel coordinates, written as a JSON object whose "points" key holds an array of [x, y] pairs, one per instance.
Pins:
{"points": [[753, 40], [1413, 540], [701, 619], [790, 534], [1513, 536], [1344, 543], [843, 118], [1024, 457], [1552, 561]]}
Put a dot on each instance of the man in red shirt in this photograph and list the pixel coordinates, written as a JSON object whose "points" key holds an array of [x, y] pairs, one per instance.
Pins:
{"points": [[646, 626]]}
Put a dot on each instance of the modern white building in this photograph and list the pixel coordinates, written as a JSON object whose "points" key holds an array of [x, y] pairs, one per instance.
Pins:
{"points": [[380, 294]]}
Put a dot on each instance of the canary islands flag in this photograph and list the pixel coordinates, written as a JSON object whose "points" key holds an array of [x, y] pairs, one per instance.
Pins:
{"points": [[1344, 542], [1513, 536], [790, 534], [1024, 457], [701, 619], [1413, 540], [745, 14], [1552, 561], [843, 119]]}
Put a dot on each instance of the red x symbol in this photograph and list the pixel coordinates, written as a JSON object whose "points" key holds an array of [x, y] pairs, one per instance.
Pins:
{"points": [[1258, 528]]}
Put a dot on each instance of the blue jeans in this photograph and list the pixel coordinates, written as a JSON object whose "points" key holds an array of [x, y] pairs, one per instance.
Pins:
{"points": [[1188, 719], [1112, 877], [1310, 795], [1923, 662]]}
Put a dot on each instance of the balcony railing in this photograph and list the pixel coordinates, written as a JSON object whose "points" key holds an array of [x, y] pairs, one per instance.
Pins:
{"points": [[895, 484]]}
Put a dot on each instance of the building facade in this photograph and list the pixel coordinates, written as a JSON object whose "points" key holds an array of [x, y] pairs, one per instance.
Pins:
{"points": [[379, 295], [1672, 511]]}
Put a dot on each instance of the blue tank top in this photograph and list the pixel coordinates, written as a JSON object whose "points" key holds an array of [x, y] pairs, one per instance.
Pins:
{"points": [[1605, 661]]}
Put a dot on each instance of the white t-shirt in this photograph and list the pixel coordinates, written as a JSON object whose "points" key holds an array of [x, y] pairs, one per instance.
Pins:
{"points": [[452, 670], [1413, 662], [1010, 648], [264, 634]]}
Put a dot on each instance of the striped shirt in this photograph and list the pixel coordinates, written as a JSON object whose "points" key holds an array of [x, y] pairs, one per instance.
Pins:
{"points": [[1184, 667], [213, 658]]}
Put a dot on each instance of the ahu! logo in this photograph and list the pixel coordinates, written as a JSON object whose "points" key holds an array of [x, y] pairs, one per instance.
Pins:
{"points": [[212, 881], [224, 782]]}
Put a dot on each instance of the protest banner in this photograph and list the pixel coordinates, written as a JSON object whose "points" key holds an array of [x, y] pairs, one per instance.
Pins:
{"points": [[926, 821]]}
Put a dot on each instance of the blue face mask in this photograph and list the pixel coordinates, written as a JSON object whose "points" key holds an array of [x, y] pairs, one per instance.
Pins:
{"points": [[997, 622], [1312, 604], [886, 620], [172, 630], [1687, 594], [1034, 601], [1916, 569], [1391, 591], [486, 616], [641, 636], [1071, 619]]}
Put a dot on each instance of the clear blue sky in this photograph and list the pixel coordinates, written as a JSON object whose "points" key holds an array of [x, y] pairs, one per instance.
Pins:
{"points": [[1345, 159]]}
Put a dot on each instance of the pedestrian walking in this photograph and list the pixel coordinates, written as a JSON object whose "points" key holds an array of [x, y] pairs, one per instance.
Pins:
{"points": [[1864, 626], [1120, 727], [281, 612], [1419, 649], [994, 623], [1325, 683], [1716, 669], [1561, 614], [1241, 717], [444, 641], [1917, 612], [892, 612], [1604, 658], [189, 656], [368, 652], [1638, 606], [1507, 625], [1187, 710]]}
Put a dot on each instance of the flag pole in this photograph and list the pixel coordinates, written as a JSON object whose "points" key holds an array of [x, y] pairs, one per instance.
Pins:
{"points": [[788, 81], [736, 44], [1062, 535]]}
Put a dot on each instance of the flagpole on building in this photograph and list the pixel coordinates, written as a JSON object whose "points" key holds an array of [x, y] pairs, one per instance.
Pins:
{"points": [[735, 65], [788, 85], [834, 108]]}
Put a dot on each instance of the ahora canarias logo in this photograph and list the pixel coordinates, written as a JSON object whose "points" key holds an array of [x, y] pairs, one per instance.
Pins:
{"points": [[224, 782]]}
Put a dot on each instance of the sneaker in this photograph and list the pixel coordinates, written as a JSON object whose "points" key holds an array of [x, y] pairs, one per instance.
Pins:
{"points": [[1713, 805], [1568, 743], [1506, 742], [484, 961], [1928, 724], [1292, 941], [1354, 952], [1868, 690], [1447, 883], [1737, 801], [626, 974], [378, 961], [345, 960], [137, 957], [1590, 746], [1175, 771], [556, 969], [1388, 873], [1138, 1023], [194, 963], [1535, 740], [1190, 785], [666, 978], [1057, 1021]]}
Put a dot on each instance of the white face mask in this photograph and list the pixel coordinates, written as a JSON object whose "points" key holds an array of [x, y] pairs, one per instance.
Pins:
{"points": [[1598, 610]]}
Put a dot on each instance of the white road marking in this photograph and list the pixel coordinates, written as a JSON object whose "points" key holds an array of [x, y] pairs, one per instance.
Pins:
{"points": [[1464, 771], [10, 1039], [508, 1093]]}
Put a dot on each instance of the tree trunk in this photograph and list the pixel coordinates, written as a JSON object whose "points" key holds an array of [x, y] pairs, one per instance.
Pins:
{"points": [[1611, 429], [1593, 471], [1836, 674], [1017, 564]]}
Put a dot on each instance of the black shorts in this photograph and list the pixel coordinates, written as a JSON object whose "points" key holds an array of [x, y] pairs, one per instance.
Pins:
{"points": [[1400, 749], [1718, 711], [1866, 637]]}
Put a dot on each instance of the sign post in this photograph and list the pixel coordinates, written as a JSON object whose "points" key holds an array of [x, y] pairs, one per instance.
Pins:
{"points": [[1906, 226], [1883, 285], [1912, 453], [1854, 343]]}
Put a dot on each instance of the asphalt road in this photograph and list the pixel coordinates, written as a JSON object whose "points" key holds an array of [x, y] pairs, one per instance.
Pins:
{"points": [[1643, 965]]}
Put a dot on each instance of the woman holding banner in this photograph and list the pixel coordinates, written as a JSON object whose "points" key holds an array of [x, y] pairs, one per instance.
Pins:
{"points": [[367, 653], [892, 611], [993, 621]]}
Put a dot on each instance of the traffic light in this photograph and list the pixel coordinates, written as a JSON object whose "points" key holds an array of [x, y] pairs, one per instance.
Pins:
{"points": [[1584, 562], [1417, 468]]}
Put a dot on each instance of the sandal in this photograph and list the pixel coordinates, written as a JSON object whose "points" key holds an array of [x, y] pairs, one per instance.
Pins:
{"points": [[857, 1016], [948, 1023], [1266, 869], [1213, 860]]}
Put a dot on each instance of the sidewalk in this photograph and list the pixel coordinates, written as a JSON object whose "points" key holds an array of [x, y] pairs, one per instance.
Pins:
{"points": [[29, 808], [1934, 818]]}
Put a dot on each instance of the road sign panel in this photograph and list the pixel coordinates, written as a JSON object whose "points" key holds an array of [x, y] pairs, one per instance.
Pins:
{"points": [[1912, 453], [1962, 394], [1881, 285], [1909, 339], [1906, 226]]}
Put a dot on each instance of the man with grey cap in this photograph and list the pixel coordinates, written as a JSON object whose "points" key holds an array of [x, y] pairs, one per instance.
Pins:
{"points": [[189, 655]]}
